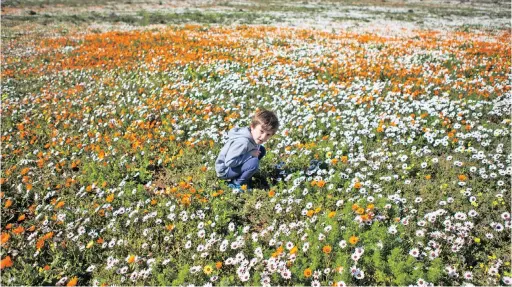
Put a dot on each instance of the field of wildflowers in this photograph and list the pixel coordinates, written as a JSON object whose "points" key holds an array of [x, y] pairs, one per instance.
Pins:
{"points": [[392, 165]]}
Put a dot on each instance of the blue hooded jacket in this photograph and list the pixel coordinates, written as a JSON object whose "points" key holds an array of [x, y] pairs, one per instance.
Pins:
{"points": [[236, 151]]}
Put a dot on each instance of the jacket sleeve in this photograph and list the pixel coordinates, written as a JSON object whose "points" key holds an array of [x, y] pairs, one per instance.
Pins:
{"points": [[236, 154]]}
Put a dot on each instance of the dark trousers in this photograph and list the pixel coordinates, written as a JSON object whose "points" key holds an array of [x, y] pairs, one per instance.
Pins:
{"points": [[242, 174]]}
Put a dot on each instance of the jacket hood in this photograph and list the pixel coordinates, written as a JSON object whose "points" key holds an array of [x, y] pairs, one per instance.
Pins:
{"points": [[243, 132]]}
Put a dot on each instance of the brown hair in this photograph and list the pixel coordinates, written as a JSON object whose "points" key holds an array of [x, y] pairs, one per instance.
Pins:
{"points": [[267, 119]]}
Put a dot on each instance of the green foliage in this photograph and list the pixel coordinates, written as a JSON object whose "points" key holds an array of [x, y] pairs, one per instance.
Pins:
{"points": [[435, 271], [182, 275]]}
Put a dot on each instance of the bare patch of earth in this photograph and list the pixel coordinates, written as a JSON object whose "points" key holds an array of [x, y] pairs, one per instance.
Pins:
{"points": [[382, 17]]}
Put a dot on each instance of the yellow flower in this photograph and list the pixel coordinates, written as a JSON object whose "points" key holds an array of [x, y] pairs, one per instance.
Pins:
{"points": [[353, 239], [477, 240], [207, 270], [244, 187]]}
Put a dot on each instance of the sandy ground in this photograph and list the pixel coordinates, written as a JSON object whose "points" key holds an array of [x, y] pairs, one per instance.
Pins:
{"points": [[374, 16]]}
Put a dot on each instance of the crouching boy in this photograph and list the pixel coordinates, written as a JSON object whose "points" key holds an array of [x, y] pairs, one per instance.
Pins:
{"points": [[240, 157]]}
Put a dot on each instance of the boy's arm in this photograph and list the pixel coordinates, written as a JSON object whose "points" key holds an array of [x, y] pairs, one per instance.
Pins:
{"points": [[236, 154]]}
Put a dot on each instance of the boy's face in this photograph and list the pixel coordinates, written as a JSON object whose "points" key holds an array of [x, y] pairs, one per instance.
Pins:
{"points": [[260, 135]]}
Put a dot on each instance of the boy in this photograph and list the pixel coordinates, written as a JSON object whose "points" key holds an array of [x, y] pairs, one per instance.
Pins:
{"points": [[240, 157]]}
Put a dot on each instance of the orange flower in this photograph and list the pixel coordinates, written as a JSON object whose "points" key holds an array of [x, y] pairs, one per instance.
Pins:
{"points": [[308, 273], [331, 214], [344, 159], [294, 250], [46, 267], [355, 207], [21, 217], [59, 204], [428, 176], [5, 237], [271, 193], [100, 240], [8, 203], [130, 259], [462, 177], [185, 200], [73, 281], [40, 243], [218, 264], [360, 210], [19, 230], [327, 249], [110, 197], [310, 213], [353, 239], [25, 171], [357, 185], [48, 235], [6, 262]]}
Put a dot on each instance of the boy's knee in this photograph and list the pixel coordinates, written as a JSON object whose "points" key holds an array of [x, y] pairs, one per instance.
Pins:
{"points": [[253, 164]]}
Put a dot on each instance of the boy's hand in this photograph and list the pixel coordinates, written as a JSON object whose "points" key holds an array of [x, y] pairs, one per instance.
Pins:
{"points": [[255, 153]]}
